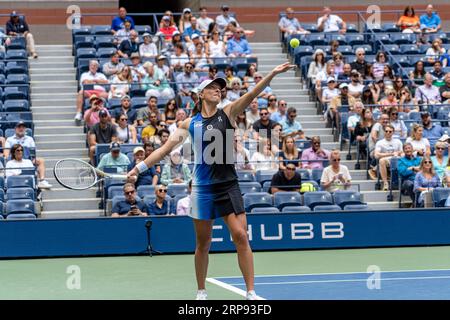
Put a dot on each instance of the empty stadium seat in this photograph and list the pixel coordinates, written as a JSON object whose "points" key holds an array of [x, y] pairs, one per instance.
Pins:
{"points": [[22, 181], [392, 49], [19, 105], [85, 53], [317, 198], [287, 198], [295, 209], [144, 191], [356, 207], [177, 189], [84, 42], [389, 27], [20, 207], [17, 79], [327, 208], [20, 193], [245, 176], [381, 37], [367, 48], [257, 200], [249, 186], [101, 30], [409, 49], [105, 52], [19, 67], [104, 42], [2, 196], [316, 174], [141, 29], [13, 93], [264, 175], [402, 38], [355, 39], [17, 43], [19, 54], [115, 191], [138, 102], [20, 216], [82, 30], [316, 39], [346, 197], [268, 210], [304, 173]]}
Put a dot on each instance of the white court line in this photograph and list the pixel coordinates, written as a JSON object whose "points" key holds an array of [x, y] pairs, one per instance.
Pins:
{"points": [[347, 280], [334, 273], [230, 288]]}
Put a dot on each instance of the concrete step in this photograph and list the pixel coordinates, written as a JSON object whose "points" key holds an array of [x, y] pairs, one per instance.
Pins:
{"points": [[53, 96], [36, 71], [40, 138], [295, 87], [311, 125], [53, 76], [44, 89], [55, 53], [318, 132], [292, 97], [38, 115], [66, 58], [61, 144], [52, 84], [44, 64], [58, 192], [383, 205], [51, 160], [57, 130], [54, 101], [378, 196], [51, 109], [72, 214], [71, 204], [63, 153], [53, 122], [50, 47]]}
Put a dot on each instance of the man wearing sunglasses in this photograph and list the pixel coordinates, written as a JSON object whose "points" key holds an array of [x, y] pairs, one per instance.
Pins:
{"points": [[130, 206], [336, 176], [262, 127], [160, 206], [360, 64], [187, 80], [224, 19], [408, 166], [238, 46], [286, 180], [313, 158], [385, 149]]}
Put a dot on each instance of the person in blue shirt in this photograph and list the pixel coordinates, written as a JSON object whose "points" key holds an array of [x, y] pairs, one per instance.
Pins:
{"points": [[193, 29], [129, 207], [160, 206], [291, 127], [238, 47], [118, 22], [408, 166], [430, 22], [149, 177], [431, 131]]}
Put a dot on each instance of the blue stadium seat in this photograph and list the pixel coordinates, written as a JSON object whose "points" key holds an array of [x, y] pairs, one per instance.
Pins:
{"points": [[296, 209], [257, 200], [84, 42], [177, 189], [20, 193], [409, 49], [245, 176], [104, 42], [82, 31], [85, 53], [366, 47], [2, 182], [317, 198], [356, 207], [382, 37], [325, 48], [141, 29], [389, 27], [16, 67], [392, 49], [352, 28], [1, 216], [373, 28], [331, 207], [303, 144], [265, 175], [311, 27], [105, 52], [355, 39], [402, 38], [17, 43], [138, 102], [304, 173], [249, 186], [174, 203], [440, 195], [346, 50], [22, 181], [18, 105], [337, 37], [114, 103], [440, 35], [20, 216], [403, 61], [10, 132], [316, 174], [114, 191], [316, 39], [17, 79], [287, 198], [19, 54], [2, 196], [150, 199], [268, 210], [101, 30], [343, 198], [20, 207], [302, 51]]}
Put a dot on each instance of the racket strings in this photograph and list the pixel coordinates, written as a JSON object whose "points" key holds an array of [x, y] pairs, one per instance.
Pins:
{"points": [[75, 174]]}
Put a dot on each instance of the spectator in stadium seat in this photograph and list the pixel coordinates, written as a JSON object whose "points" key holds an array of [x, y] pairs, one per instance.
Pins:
{"points": [[125, 109], [21, 139], [378, 66], [355, 88], [129, 46], [216, 47], [91, 116], [313, 157], [339, 64], [170, 112], [287, 179], [264, 95], [421, 145], [169, 47], [388, 76], [159, 139], [148, 49], [161, 65], [430, 22], [360, 64], [155, 83], [435, 51], [407, 103], [175, 171], [431, 130], [184, 204], [120, 83], [292, 127], [224, 19], [376, 134], [17, 27], [280, 114], [417, 76], [167, 29], [185, 20], [123, 34], [199, 58], [126, 133], [192, 46], [409, 22], [262, 127], [4, 41], [243, 125], [438, 75], [187, 80], [428, 93], [114, 159], [204, 21], [151, 128], [398, 85], [331, 22], [343, 99], [180, 116], [445, 89], [237, 46], [289, 24], [113, 67], [241, 153], [129, 207], [289, 153], [346, 74], [385, 149], [92, 77], [426, 179], [355, 117], [328, 72], [137, 69], [191, 30], [317, 65], [160, 206], [252, 114], [408, 166], [389, 101], [147, 178], [119, 21], [249, 80], [440, 160], [179, 59], [263, 158], [400, 129], [272, 104], [362, 131], [143, 114], [236, 90], [329, 92], [369, 96], [336, 176], [102, 132]]}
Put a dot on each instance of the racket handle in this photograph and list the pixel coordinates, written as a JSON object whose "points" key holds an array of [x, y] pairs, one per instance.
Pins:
{"points": [[122, 177]]}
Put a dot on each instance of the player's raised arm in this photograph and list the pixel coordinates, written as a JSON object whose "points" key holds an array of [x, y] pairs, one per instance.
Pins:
{"points": [[174, 141], [238, 106]]}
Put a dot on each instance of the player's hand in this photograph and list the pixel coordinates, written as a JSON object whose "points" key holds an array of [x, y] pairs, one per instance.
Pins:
{"points": [[132, 174], [283, 68]]}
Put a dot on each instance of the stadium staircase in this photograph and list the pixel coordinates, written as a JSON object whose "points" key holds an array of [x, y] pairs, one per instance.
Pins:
{"points": [[53, 99], [288, 86]]}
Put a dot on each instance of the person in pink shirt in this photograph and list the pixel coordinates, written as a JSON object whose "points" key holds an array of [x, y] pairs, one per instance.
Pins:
{"points": [[91, 116], [167, 29], [311, 155]]}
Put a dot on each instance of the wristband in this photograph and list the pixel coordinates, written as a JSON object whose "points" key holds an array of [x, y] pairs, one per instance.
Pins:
{"points": [[141, 167]]}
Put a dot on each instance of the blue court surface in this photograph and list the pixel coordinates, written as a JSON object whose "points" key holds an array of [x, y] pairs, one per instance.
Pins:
{"points": [[389, 285]]}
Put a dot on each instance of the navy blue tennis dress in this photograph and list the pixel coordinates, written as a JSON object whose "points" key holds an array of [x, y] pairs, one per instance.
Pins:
{"points": [[215, 189]]}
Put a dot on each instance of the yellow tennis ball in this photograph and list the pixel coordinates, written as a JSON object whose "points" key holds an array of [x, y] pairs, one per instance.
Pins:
{"points": [[294, 43]]}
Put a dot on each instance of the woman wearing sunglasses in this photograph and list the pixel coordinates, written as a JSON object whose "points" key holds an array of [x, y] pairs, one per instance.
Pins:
{"points": [[215, 188], [336, 176], [426, 180], [126, 133], [440, 160]]}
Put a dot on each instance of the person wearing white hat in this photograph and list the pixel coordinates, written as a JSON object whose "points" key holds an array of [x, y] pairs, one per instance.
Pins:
{"points": [[215, 188], [148, 49], [317, 65], [155, 83], [191, 30], [185, 20]]}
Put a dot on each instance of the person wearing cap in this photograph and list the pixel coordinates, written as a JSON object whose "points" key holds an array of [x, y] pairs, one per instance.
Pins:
{"points": [[176, 171], [137, 69], [26, 143], [16, 26], [131, 206], [91, 83], [204, 21], [114, 159], [129, 45], [91, 116], [125, 109], [148, 49], [168, 48], [323, 75], [215, 189], [355, 87], [185, 20], [224, 19], [147, 178], [317, 64], [193, 45], [191, 30], [360, 64], [329, 92], [155, 83], [187, 80], [103, 132], [113, 67], [119, 21], [167, 28], [237, 46], [161, 65]]}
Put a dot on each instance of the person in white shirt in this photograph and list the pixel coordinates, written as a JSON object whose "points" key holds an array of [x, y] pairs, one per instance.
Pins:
{"points": [[330, 91], [385, 149], [204, 21], [335, 176], [252, 114], [331, 22], [179, 59], [184, 204], [92, 77], [224, 19], [265, 159], [353, 120], [421, 146], [355, 88], [428, 93], [148, 48], [179, 116], [216, 47]]}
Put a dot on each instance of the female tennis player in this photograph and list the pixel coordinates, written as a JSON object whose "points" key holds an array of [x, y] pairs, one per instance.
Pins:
{"points": [[215, 190]]}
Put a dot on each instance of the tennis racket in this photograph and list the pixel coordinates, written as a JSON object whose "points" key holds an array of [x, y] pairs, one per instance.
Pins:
{"points": [[77, 174]]}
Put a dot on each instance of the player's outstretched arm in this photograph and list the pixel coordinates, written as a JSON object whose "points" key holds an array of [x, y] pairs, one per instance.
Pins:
{"points": [[174, 141], [238, 106]]}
